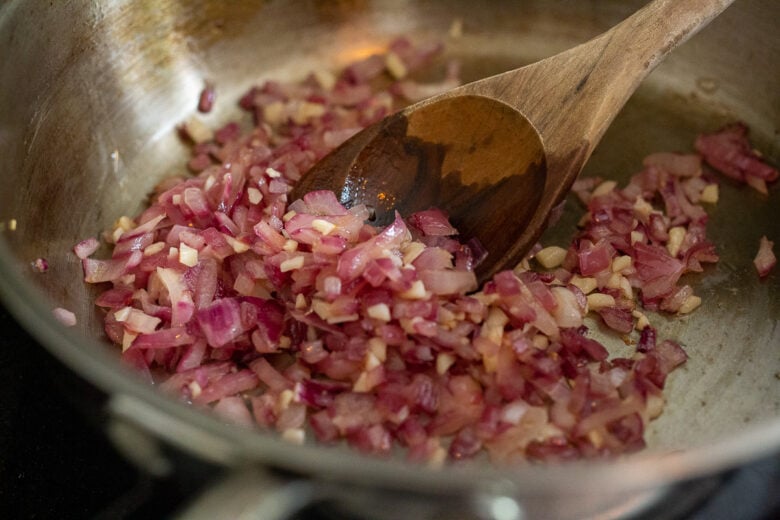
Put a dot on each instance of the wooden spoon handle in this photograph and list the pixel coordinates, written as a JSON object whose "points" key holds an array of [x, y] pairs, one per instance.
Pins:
{"points": [[589, 84], [571, 98], [574, 96]]}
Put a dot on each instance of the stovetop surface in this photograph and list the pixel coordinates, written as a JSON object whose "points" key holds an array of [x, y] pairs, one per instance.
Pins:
{"points": [[56, 463]]}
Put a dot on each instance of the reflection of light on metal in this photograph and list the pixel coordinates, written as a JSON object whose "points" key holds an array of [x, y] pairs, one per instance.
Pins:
{"points": [[351, 54], [381, 196], [163, 62], [115, 160], [10, 225], [501, 508]]}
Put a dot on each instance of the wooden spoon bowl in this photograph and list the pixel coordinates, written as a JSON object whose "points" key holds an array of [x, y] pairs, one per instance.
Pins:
{"points": [[500, 153]]}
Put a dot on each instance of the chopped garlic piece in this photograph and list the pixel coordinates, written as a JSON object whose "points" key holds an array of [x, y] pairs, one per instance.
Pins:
{"points": [[210, 181], [676, 237], [437, 458], [372, 361], [626, 289], [493, 328], [637, 236], [655, 405], [321, 308], [255, 195], [342, 318], [285, 398], [197, 130], [237, 245], [641, 320], [522, 266], [378, 348], [287, 216], [603, 188], [394, 65], [379, 311], [621, 263], [362, 384], [294, 435], [614, 281], [125, 223], [412, 251], [642, 208], [551, 257], [195, 388], [188, 255], [272, 173], [415, 292], [274, 113], [443, 362], [486, 299], [300, 301], [120, 226], [709, 194], [290, 246], [598, 301], [291, 264], [586, 284], [596, 438], [408, 324], [690, 303], [127, 340], [541, 341], [325, 78], [307, 111], [153, 249], [323, 226]]}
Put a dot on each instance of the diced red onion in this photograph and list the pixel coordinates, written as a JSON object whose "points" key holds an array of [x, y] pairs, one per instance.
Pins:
{"points": [[765, 259], [86, 247], [281, 313], [40, 264], [728, 151], [64, 316], [207, 98], [432, 222]]}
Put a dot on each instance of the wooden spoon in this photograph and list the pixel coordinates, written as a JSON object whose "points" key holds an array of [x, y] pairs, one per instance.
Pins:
{"points": [[498, 155]]}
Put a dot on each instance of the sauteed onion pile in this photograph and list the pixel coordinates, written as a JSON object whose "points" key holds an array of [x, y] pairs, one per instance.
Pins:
{"points": [[301, 317]]}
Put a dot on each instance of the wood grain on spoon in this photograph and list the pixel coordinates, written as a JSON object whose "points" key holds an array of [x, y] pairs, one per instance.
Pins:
{"points": [[500, 153]]}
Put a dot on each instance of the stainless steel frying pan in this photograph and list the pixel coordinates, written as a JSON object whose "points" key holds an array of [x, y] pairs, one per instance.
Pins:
{"points": [[91, 92]]}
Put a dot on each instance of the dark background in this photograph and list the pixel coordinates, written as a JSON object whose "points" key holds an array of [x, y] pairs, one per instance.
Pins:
{"points": [[54, 460]]}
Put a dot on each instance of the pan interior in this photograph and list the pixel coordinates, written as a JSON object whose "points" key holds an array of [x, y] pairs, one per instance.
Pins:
{"points": [[94, 130]]}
